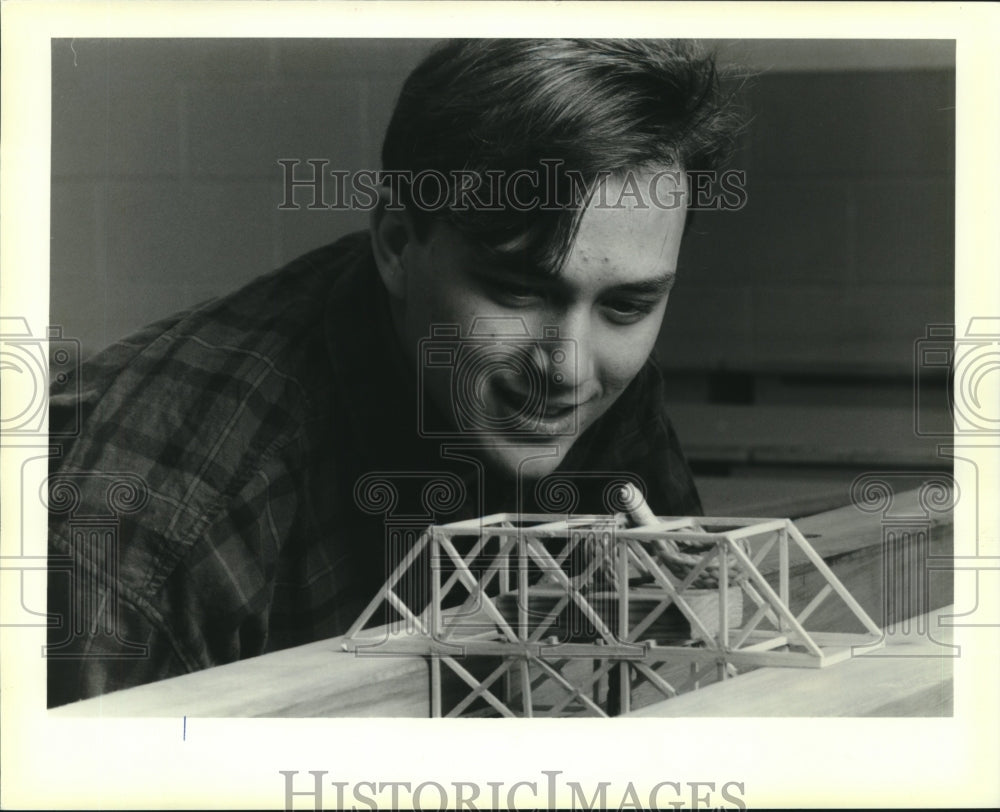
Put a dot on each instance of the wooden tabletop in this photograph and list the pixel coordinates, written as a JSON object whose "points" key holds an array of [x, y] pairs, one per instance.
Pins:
{"points": [[910, 676], [781, 492]]}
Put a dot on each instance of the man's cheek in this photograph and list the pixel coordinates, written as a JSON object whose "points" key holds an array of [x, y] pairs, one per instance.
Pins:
{"points": [[620, 370], [451, 306]]}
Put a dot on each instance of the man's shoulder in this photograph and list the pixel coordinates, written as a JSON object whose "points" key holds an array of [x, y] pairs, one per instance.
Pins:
{"points": [[268, 322], [207, 394], [272, 313]]}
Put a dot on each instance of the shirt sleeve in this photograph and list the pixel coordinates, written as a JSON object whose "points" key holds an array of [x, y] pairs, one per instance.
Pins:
{"points": [[102, 639], [121, 623]]}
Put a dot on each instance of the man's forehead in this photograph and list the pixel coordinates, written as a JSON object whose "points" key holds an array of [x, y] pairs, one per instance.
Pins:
{"points": [[638, 239], [631, 219], [589, 265]]}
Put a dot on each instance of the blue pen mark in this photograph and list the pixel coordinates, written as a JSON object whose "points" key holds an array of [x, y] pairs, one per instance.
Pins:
{"points": [[185, 733]]}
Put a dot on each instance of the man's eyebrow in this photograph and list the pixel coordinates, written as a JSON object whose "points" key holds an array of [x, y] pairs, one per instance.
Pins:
{"points": [[514, 273], [652, 286], [655, 285]]}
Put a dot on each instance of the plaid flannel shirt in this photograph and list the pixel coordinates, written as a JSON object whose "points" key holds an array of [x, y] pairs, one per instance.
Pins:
{"points": [[239, 466]]}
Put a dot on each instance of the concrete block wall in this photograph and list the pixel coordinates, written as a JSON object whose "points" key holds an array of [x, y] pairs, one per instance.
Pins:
{"points": [[845, 248], [166, 191], [165, 182]]}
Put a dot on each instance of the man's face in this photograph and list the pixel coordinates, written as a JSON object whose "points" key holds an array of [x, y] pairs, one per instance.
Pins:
{"points": [[511, 386]]}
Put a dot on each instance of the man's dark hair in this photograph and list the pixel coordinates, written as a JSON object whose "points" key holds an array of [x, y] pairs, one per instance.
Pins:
{"points": [[597, 108]]}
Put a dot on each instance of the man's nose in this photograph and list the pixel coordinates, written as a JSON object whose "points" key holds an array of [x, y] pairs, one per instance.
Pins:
{"points": [[569, 351]]}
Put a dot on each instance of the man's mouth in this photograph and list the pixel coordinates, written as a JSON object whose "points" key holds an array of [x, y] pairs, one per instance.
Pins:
{"points": [[548, 417]]}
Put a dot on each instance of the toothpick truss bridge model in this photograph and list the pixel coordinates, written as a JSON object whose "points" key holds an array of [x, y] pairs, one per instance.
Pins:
{"points": [[542, 615]]}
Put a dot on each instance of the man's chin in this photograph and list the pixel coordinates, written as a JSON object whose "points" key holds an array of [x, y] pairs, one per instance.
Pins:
{"points": [[528, 459]]}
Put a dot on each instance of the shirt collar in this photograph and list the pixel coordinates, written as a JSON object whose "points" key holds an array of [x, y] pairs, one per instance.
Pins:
{"points": [[378, 387]]}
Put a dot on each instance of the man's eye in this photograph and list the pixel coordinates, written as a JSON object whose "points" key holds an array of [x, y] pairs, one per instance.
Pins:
{"points": [[627, 311], [516, 295]]}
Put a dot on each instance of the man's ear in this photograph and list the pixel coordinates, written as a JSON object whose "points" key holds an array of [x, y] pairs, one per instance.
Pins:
{"points": [[391, 233]]}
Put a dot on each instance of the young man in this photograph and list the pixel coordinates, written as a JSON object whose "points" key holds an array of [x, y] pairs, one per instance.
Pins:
{"points": [[489, 336]]}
